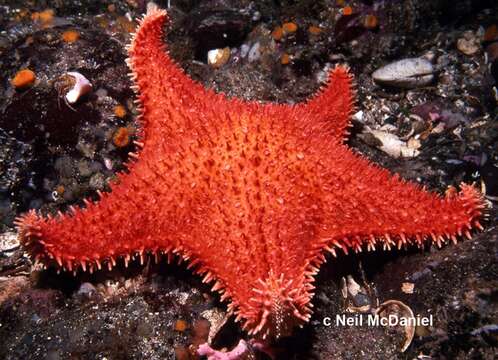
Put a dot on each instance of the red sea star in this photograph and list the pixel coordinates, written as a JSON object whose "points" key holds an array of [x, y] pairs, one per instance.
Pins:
{"points": [[251, 194]]}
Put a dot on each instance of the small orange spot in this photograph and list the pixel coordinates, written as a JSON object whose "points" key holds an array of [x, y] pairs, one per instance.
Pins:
{"points": [[277, 33], [370, 21], [121, 137], [314, 30], [491, 33], [23, 79], [348, 10], [340, 2], [285, 59], [120, 111], [70, 36], [45, 17], [111, 8], [60, 189], [181, 325], [289, 27]]}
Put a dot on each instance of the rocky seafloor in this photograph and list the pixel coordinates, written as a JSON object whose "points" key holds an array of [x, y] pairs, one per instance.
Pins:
{"points": [[437, 128]]}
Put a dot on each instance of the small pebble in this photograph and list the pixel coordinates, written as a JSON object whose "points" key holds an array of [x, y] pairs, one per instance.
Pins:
{"points": [[108, 163], [244, 50], [358, 116], [84, 168], [86, 289], [218, 57], [8, 240], [407, 287], [254, 53], [97, 181], [101, 93], [468, 44]]}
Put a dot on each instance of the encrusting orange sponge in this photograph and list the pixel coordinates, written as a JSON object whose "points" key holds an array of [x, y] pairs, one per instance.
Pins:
{"points": [[23, 79]]}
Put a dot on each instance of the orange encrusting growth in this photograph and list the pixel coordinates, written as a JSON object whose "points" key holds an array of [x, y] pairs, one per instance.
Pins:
{"points": [[70, 36], [285, 59], [370, 21], [348, 10], [289, 27], [23, 79], [277, 33], [120, 111], [250, 195], [45, 17], [121, 137], [314, 30]]}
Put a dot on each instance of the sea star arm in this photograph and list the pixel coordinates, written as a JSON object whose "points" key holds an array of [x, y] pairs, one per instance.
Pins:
{"points": [[117, 226], [171, 104], [367, 205], [330, 109], [80, 238]]}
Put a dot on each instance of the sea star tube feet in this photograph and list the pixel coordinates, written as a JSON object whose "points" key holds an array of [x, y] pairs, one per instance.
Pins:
{"points": [[252, 195]]}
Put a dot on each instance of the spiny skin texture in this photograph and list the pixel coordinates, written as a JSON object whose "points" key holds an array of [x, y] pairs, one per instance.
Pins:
{"points": [[251, 194]]}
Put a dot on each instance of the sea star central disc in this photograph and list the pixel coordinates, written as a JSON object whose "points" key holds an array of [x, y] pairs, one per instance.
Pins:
{"points": [[251, 195]]}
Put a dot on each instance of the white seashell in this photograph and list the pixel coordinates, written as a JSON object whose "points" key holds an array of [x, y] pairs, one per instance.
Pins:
{"points": [[358, 116], [81, 87], [407, 73], [395, 147]]}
